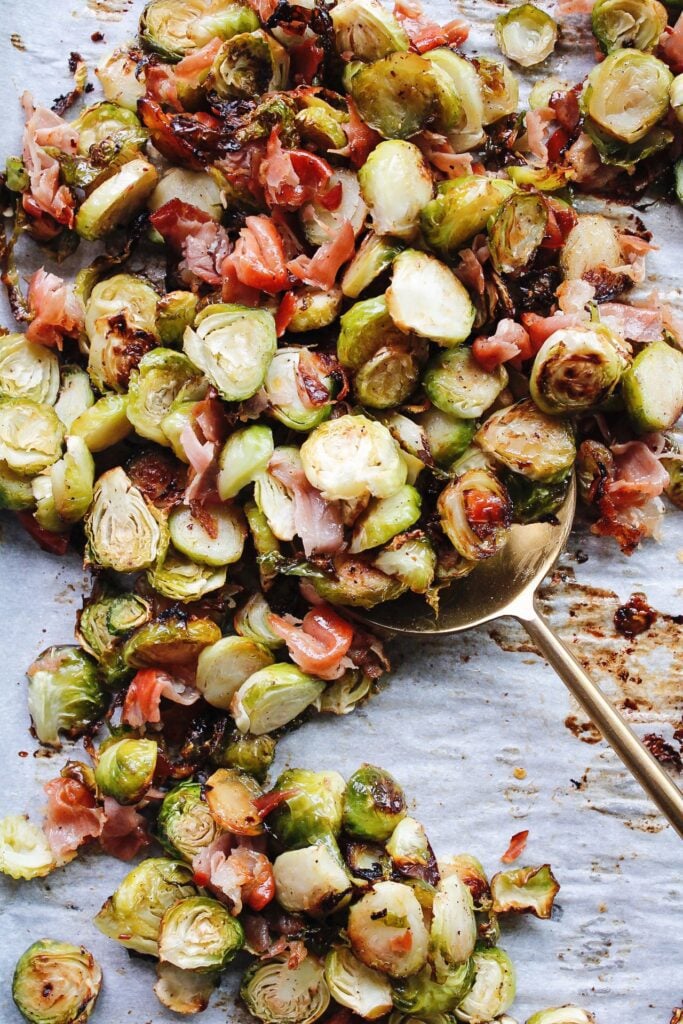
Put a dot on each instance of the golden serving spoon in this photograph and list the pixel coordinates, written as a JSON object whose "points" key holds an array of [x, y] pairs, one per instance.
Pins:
{"points": [[506, 586]]}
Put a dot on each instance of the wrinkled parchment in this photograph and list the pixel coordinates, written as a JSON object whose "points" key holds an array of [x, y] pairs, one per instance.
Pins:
{"points": [[474, 727]]}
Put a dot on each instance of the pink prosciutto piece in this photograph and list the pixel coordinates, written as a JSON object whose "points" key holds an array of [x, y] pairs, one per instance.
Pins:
{"points": [[318, 522], [72, 816], [57, 313], [510, 341], [321, 269], [124, 832], [143, 699], [318, 644], [44, 128]]}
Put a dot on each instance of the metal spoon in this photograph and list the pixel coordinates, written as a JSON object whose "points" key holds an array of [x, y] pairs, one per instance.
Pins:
{"points": [[506, 586]]}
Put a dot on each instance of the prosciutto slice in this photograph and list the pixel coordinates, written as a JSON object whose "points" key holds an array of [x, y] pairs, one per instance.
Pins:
{"points": [[236, 873], [510, 341], [72, 816], [320, 270], [44, 128], [318, 644], [57, 313], [143, 699], [317, 522], [124, 832]]}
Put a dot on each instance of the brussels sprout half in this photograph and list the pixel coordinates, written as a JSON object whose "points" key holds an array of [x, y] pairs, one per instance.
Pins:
{"points": [[311, 880], [424, 997], [468, 133], [458, 386], [411, 853], [387, 932], [185, 825], [64, 694], [411, 560], [72, 480], [273, 697], [252, 621], [174, 28], [396, 210], [499, 87], [310, 811], [358, 584], [353, 457], [516, 232], [619, 24], [101, 121], [219, 543], [652, 388], [249, 64], [174, 640], [16, 491], [528, 890], [365, 328], [282, 392], [493, 990], [132, 915], [223, 667], [562, 1015], [592, 243], [233, 346], [627, 94], [199, 934], [161, 377], [320, 223], [197, 188], [185, 992], [277, 993], [183, 580], [314, 309], [453, 932], [28, 370], [124, 532], [476, 514], [120, 322], [252, 755], [75, 395], [365, 29], [384, 518], [116, 200], [460, 210], [118, 75], [374, 804], [125, 769], [373, 257], [24, 849], [526, 34], [31, 435], [527, 441], [357, 987], [400, 94], [103, 424], [427, 298], [577, 369], [56, 983]]}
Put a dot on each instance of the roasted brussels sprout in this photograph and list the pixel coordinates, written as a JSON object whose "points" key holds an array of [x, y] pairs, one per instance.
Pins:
{"points": [[219, 543], [107, 121], [175, 312], [28, 370], [357, 987], [353, 457], [527, 441], [174, 28], [619, 24], [460, 210], [183, 580], [118, 75], [125, 769], [592, 244], [453, 931], [103, 424], [422, 996], [64, 694], [374, 804], [527, 890], [275, 506], [173, 640], [285, 402], [476, 514], [411, 559], [396, 210], [72, 480], [161, 377], [526, 34], [387, 932], [116, 200], [468, 133], [185, 825], [448, 437], [499, 87], [652, 388], [493, 990], [75, 395], [427, 298], [562, 1015], [231, 797], [45, 513], [198, 189], [277, 993], [365, 328], [458, 386], [124, 532], [627, 94], [311, 880], [120, 322], [358, 584], [272, 697], [223, 667], [185, 992], [107, 617], [400, 94], [199, 934], [676, 100], [16, 491], [249, 64], [311, 811], [533, 502], [252, 621], [244, 456], [577, 369], [252, 755], [365, 29], [517, 231], [31, 435], [233, 346], [374, 256], [24, 849], [132, 916], [56, 983], [315, 309], [411, 853], [384, 518]]}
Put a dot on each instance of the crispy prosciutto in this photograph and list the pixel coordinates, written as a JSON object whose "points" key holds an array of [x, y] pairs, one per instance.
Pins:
{"points": [[292, 177], [360, 138], [510, 341], [671, 46], [628, 498], [540, 328], [236, 873], [318, 644], [124, 832], [143, 699], [57, 312], [72, 817], [200, 441], [47, 195], [190, 69], [425, 34], [516, 848], [318, 522], [201, 241], [321, 269], [259, 258], [537, 123], [632, 322]]}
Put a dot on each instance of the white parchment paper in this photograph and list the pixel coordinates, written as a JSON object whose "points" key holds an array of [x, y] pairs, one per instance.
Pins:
{"points": [[458, 719]]}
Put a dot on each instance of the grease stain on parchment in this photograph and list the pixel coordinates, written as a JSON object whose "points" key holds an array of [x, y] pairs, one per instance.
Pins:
{"points": [[109, 10]]}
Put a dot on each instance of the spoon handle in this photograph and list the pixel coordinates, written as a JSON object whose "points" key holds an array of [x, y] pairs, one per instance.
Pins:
{"points": [[637, 758]]}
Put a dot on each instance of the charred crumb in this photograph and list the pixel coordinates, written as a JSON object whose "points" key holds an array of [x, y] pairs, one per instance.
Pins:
{"points": [[17, 42], [74, 60], [634, 617], [663, 751], [98, 37]]}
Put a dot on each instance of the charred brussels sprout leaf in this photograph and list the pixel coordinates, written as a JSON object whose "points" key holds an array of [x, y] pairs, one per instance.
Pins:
{"points": [[31, 435], [476, 513], [125, 769], [28, 370], [311, 811], [653, 388], [395, 210], [182, 991], [460, 210], [174, 28], [517, 232], [627, 94], [493, 990], [357, 987], [374, 804], [534, 502], [365, 29], [185, 825], [618, 24], [233, 346], [273, 697], [526, 441], [276, 993], [124, 532], [379, 922], [527, 890], [311, 880], [24, 850], [199, 934], [526, 34], [64, 694], [427, 298], [577, 369], [56, 983]]}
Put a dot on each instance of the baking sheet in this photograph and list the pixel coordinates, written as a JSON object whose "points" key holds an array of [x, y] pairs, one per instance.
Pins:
{"points": [[457, 721]]}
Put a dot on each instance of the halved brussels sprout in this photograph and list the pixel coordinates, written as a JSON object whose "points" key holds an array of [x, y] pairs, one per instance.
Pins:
{"points": [[120, 321], [310, 811], [562, 1015], [218, 542], [411, 852], [396, 210], [447, 437], [399, 95], [64, 694], [226, 665], [161, 377], [197, 188], [103, 424], [99, 122], [374, 256], [627, 94], [411, 559], [233, 346], [277, 993], [321, 125], [427, 298], [173, 640], [251, 755], [453, 932], [282, 392], [458, 386], [365, 328], [390, 375], [311, 880], [460, 210], [384, 518], [593, 243], [181, 579], [199, 934], [534, 502], [353, 457], [247, 65], [320, 224], [527, 441], [494, 987], [619, 24], [343, 695], [45, 513], [374, 804], [476, 513], [273, 517], [358, 584], [517, 231], [357, 987], [175, 312], [16, 491], [116, 200], [252, 621], [652, 388], [315, 309], [273, 697], [526, 34], [132, 915], [125, 769], [72, 480], [103, 620], [24, 849], [174, 28], [28, 370], [365, 29], [124, 532], [426, 997], [577, 369], [468, 133], [56, 983], [31, 435], [75, 395], [529, 890], [231, 797], [499, 87], [185, 825], [118, 75], [387, 932], [185, 992]]}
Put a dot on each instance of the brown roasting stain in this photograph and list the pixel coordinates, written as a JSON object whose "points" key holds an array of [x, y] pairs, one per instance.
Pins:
{"points": [[17, 42], [585, 731], [109, 10]]}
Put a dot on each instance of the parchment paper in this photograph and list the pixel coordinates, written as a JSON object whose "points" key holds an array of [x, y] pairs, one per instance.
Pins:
{"points": [[455, 724]]}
